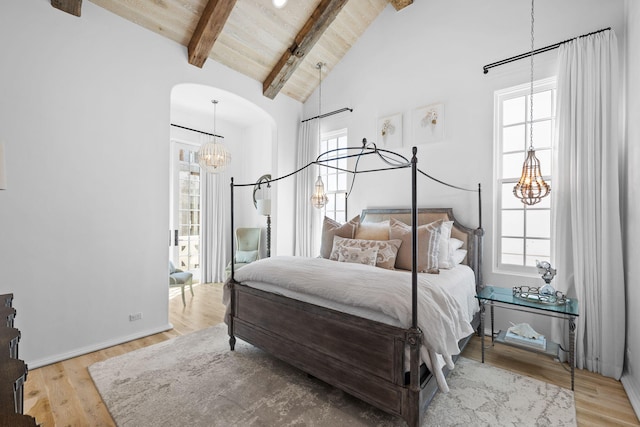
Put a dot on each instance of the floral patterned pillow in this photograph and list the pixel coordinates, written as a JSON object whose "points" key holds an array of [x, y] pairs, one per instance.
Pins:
{"points": [[387, 249], [358, 256]]}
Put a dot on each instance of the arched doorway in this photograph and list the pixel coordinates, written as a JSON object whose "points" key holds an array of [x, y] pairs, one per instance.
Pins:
{"points": [[198, 201]]}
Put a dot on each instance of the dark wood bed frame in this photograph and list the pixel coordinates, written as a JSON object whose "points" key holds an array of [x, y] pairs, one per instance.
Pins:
{"points": [[362, 357]]}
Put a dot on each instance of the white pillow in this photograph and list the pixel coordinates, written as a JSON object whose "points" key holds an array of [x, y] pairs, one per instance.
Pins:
{"points": [[455, 244], [458, 256], [444, 254]]}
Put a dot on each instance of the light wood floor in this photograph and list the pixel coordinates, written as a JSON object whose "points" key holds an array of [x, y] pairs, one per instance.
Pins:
{"points": [[63, 394]]}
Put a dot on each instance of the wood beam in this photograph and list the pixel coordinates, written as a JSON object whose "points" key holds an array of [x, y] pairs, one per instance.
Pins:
{"points": [[310, 33], [400, 4], [209, 27], [74, 7]]}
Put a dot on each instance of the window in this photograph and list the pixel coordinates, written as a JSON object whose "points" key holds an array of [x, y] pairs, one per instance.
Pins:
{"points": [[522, 233], [335, 181], [188, 255]]}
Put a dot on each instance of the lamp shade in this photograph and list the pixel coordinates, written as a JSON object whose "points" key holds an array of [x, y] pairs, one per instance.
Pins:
{"points": [[264, 206], [319, 197], [3, 174], [213, 156]]}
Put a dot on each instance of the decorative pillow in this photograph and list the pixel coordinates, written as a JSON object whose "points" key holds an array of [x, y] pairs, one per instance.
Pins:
{"points": [[331, 228], [459, 255], [355, 255], [455, 244], [428, 244], [373, 231], [387, 250], [246, 256], [444, 255]]}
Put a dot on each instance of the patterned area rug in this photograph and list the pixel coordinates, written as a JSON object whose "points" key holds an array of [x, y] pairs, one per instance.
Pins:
{"points": [[194, 380]]}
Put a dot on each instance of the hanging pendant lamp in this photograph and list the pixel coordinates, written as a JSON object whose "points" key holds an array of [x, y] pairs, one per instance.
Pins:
{"points": [[319, 198], [213, 156], [531, 187]]}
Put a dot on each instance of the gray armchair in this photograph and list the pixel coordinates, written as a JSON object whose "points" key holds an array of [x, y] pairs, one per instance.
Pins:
{"points": [[180, 278]]}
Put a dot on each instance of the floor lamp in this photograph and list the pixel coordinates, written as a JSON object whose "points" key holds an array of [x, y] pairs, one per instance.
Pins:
{"points": [[262, 201]]}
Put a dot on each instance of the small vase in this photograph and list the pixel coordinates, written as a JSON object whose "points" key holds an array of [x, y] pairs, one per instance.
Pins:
{"points": [[547, 289]]}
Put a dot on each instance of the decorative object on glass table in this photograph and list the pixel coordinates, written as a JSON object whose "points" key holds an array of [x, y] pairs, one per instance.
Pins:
{"points": [[533, 294], [548, 273]]}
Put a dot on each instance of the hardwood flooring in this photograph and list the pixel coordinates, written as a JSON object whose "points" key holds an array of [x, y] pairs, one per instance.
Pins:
{"points": [[63, 394]]}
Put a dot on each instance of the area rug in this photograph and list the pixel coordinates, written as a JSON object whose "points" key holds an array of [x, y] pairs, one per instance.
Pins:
{"points": [[194, 380]]}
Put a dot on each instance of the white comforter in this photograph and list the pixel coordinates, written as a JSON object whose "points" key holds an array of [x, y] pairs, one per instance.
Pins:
{"points": [[441, 317]]}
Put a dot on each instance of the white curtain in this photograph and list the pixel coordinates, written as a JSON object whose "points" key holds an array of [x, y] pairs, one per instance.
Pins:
{"points": [[214, 203], [307, 217], [586, 199]]}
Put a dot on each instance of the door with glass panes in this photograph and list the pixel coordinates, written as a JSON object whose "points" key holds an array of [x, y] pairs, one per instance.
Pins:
{"points": [[184, 236]]}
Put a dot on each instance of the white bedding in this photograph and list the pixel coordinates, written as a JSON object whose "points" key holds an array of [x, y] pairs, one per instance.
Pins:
{"points": [[446, 301]]}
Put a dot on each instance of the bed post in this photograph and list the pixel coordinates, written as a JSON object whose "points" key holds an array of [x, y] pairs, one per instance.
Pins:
{"points": [[232, 279], [414, 334], [479, 237]]}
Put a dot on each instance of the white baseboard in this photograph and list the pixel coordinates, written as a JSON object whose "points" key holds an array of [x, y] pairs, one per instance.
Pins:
{"points": [[633, 392], [33, 364]]}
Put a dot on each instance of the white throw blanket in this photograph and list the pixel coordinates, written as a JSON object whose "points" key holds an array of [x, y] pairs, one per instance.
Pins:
{"points": [[440, 317]]}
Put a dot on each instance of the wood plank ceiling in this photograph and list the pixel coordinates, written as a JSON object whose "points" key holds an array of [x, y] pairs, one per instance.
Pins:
{"points": [[278, 47]]}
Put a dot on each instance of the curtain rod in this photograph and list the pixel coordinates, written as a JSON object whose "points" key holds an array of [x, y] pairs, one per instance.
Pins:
{"points": [[321, 116], [199, 131], [537, 51]]}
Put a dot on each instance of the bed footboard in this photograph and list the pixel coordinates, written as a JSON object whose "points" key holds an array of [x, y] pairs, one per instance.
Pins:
{"points": [[362, 357]]}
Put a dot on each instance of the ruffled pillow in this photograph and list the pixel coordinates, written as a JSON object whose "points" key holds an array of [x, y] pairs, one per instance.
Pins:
{"points": [[387, 250]]}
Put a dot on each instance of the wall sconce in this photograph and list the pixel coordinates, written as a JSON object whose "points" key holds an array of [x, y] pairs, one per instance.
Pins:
{"points": [[430, 118], [262, 202], [387, 127], [3, 169]]}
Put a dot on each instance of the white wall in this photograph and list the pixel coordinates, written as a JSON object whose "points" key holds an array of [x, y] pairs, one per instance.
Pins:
{"points": [[85, 110], [631, 376], [433, 52]]}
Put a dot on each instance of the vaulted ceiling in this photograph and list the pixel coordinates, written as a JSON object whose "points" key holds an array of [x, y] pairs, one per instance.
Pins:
{"points": [[278, 47]]}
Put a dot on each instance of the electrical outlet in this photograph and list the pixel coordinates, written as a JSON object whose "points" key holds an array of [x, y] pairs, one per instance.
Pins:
{"points": [[135, 316]]}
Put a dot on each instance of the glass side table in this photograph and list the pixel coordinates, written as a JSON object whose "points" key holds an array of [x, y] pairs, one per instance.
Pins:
{"points": [[505, 298]]}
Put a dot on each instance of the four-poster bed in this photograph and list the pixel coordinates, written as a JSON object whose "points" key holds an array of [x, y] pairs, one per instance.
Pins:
{"points": [[381, 358]]}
